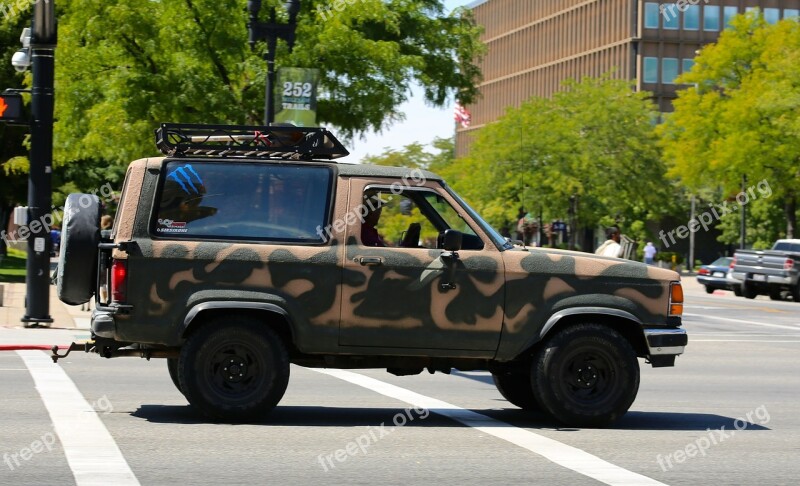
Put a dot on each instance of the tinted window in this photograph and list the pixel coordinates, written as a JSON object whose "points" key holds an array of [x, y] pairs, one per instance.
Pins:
{"points": [[234, 200], [730, 12], [669, 70], [650, 70], [691, 18], [711, 18], [651, 15]]}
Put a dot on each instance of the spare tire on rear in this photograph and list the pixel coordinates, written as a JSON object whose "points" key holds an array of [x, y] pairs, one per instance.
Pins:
{"points": [[77, 262]]}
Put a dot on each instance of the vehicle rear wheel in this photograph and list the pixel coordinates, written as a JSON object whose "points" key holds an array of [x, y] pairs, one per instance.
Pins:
{"points": [[749, 291], [776, 294], [737, 290], [709, 290], [796, 293], [172, 367], [517, 389], [234, 369], [77, 261], [586, 375]]}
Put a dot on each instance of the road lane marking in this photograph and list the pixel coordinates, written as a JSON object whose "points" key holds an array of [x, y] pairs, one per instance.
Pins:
{"points": [[740, 321], [559, 453], [738, 341], [91, 452]]}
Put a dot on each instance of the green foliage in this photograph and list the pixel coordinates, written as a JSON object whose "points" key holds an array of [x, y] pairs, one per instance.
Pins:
{"points": [[416, 156], [593, 140], [125, 66], [742, 119]]}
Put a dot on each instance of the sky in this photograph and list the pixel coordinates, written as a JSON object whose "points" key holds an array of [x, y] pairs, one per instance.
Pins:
{"points": [[422, 123]]}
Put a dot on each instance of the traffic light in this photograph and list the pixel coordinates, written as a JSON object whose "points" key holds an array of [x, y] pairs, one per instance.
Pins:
{"points": [[10, 107]]}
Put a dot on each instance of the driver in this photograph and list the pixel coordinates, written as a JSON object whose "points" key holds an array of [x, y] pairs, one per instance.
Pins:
{"points": [[369, 232]]}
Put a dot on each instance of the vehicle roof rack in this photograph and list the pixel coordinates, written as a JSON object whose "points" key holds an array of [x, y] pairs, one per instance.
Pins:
{"points": [[273, 142]]}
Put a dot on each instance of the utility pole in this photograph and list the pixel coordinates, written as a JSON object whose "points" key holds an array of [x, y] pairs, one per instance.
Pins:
{"points": [[43, 47], [690, 266], [743, 239]]}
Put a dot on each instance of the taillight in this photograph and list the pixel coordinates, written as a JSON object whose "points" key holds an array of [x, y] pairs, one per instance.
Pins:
{"points": [[675, 299], [119, 281], [733, 263], [703, 271], [788, 264]]}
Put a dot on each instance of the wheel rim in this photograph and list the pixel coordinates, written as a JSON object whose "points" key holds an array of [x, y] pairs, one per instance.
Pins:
{"points": [[235, 370], [588, 377]]}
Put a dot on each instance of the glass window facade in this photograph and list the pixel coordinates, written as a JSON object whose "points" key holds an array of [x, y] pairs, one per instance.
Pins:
{"points": [[691, 18], [650, 70], [669, 70], [687, 65], [671, 17], [789, 13], [730, 12], [651, 15], [772, 15], [711, 18]]}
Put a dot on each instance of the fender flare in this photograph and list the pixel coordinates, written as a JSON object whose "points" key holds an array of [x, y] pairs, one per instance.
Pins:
{"points": [[232, 304], [573, 311]]}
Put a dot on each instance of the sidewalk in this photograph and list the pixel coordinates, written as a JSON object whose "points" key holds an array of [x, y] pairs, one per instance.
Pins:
{"points": [[64, 316]]}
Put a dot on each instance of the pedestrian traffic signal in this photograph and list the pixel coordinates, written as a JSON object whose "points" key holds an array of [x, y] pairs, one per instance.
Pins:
{"points": [[10, 107]]}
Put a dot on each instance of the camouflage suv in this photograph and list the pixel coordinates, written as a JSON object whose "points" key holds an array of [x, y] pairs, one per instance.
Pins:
{"points": [[246, 249]]}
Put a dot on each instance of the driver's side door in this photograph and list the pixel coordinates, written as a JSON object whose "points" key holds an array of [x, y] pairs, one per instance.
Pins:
{"points": [[407, 296]]}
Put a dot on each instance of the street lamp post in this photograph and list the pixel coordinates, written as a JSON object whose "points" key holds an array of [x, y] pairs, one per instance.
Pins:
{"points": [[43, 47], [271, 32]]}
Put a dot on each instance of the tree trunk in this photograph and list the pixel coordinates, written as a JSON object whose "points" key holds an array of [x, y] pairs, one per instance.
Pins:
{"points": [[790, 211]]}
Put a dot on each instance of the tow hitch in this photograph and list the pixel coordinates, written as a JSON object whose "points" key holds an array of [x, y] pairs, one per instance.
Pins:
{"points": [[87, 347]]}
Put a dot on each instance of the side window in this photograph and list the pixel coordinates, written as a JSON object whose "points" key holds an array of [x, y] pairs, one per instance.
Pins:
{"points": [[411, 219], [243, 201]]}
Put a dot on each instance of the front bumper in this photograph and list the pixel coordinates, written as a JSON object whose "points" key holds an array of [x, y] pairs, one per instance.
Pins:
{"points": [[666, 341]]}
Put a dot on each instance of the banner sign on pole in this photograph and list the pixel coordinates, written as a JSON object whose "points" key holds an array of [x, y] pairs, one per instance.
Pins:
{"points": [[296, 96]]}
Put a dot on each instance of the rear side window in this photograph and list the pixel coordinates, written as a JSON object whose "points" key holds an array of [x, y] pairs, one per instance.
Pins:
{"points": [[232, 201]]}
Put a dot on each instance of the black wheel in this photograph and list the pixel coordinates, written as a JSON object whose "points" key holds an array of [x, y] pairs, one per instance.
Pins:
{"points": [[776, 294], [234, 369], [749, 292], [796, 293], [709, 290], [517, 389], [77, 263], [172, 367], [586, 375], [737, 290]]}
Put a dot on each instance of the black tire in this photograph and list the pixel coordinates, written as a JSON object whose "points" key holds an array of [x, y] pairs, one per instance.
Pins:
{"points": [[586, 375], [77, 263], [172, 367], [234, 369], [776, 294], [737, 290], [517, 389], [749, 292], [796, 293], [709, 290]]}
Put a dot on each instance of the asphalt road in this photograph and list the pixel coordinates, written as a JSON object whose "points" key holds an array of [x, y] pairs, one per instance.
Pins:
{"points": [[727, 413]]}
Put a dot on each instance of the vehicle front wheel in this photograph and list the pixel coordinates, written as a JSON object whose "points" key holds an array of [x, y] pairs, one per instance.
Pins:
{"points": [[737, 290], [517, 389], [749, 291], [234, 369], [586, 375], [709, 290]]}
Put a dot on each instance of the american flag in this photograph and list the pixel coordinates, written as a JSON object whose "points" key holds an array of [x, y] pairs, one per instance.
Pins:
{"points": [[461, 115]]}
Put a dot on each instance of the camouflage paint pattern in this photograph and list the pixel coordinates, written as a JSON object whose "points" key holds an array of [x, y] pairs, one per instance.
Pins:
{"points": [[500, 303]]}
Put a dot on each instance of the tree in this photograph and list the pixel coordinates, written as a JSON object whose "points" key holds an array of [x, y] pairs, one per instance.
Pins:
{"points": [[125, 66], [742, 119], [593, 142], [415, 155]]}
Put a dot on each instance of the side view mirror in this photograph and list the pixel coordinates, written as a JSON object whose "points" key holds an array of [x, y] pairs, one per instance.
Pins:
{"points": [[452, 240]]}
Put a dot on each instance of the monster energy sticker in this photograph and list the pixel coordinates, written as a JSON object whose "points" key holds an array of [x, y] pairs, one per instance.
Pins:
{"points": [[296, 96]]}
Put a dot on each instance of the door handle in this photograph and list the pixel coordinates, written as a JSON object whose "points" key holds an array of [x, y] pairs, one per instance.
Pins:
{"points": [[370, 261]]}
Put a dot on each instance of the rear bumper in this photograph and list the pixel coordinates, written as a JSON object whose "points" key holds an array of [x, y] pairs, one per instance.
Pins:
{"points": [[103, 324]]}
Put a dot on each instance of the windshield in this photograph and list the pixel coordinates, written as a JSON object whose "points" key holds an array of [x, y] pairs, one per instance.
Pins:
{"points": [[500, 242]]}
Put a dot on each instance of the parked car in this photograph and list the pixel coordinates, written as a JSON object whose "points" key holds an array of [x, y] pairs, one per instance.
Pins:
{"points": [[772, 272], [715, 276]]}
